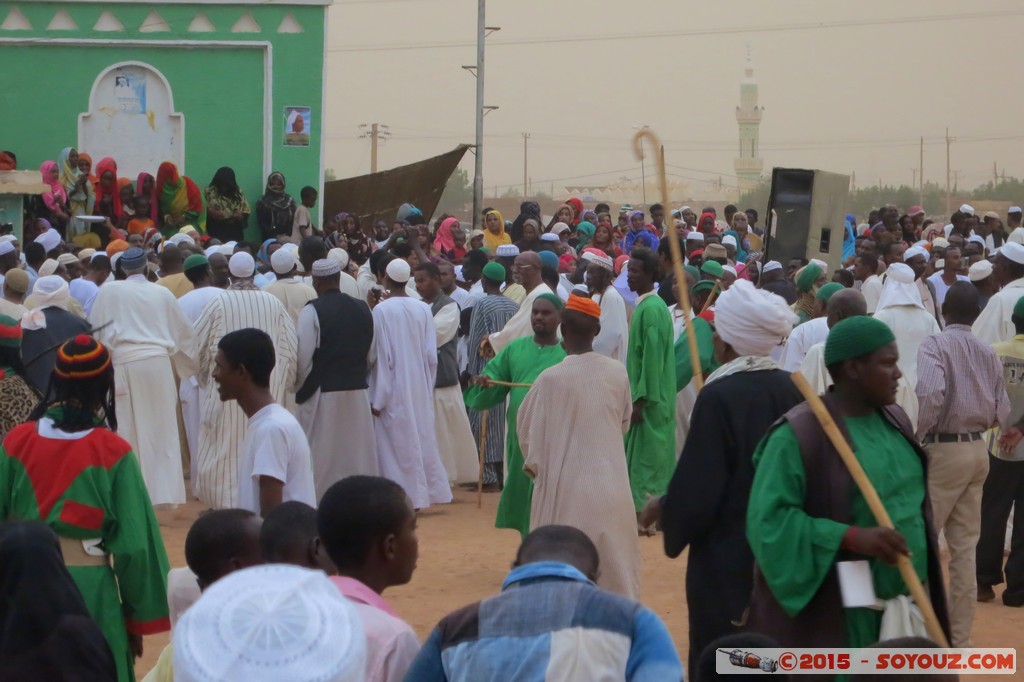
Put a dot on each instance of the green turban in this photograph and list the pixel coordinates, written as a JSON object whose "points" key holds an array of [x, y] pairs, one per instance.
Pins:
{"points": [[807, 277], [828, 290], [856, 337], [554, 299], [703, 285], [713, 268], [494, 272], [693, 271], [1018, 309], [196, 260]]}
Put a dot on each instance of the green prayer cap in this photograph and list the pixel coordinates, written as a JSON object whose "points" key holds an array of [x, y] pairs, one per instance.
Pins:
{"points": [[856, 337], [196, 260], [807, 277], [713, 268], [828, 290], [1018, 309], [703, 285], [554, 299], [494, 271], [693, 271]]}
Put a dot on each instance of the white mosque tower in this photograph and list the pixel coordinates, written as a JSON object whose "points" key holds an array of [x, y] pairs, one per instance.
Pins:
{"points": [[749, 164]]}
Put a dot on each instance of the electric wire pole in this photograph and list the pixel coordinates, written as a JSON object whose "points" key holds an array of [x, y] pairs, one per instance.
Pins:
{"points": [[377, 133]]}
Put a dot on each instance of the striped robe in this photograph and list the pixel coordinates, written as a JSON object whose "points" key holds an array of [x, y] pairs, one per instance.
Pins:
{"points": [[215, 469]]}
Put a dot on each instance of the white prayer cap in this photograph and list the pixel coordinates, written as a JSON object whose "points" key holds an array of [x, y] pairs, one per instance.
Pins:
{"points": [[820, 263], [282, 262], [603, 261], [753, 321], [914, 251], [548, 237], [507, 251], [1017, 235], [731, 270], [6, 247], [398, 271], [940, 242], [990, 214], [113, 259], [980, 270], [694, 236], [340, 255], [559, 228], [181, 237], [269, 623], [325, 267], [580, 290], [242, 265], [977, 239], [50, 239], [100, 254], [862, 229], [210, 250], [729, 239], [1013, 251], [967, 208], [771, 265], [67, 258], [86, 254], [48, 267], [1015, 209], [226, 250], [900, 272]]}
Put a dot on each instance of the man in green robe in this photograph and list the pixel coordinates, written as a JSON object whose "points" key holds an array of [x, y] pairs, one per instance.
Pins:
{"points": [[520, 362], [806, 514], [650, 362]]}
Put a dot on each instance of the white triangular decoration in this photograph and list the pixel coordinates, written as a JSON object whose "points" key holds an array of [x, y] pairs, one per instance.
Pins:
{"points": [[16, 21], [62, 21], [246, 24], [200, 24], [154, 23], [108, 22], [290, 25]]}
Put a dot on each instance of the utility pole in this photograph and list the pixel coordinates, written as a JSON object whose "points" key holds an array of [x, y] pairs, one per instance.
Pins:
{"points": [[949, 201], [913, 174], [920, 175], [995, 174], [378, 132], [526, 137]]}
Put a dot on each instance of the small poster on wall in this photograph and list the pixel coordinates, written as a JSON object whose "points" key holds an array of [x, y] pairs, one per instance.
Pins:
{"points": [[297, 124], [130, 91]]}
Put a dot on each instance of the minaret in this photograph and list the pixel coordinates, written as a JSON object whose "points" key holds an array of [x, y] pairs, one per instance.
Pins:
{"points": [[748, 164]]}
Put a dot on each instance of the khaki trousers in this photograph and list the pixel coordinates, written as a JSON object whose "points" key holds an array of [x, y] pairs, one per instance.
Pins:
{"points": [[956, 477]]}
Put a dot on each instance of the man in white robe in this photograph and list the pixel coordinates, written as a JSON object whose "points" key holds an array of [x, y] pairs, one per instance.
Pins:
{"points": [[811, 332], [215, 468], [335, 335], [401, 392], [901, 308], [612, 341], [289, 287], [526, 268], [994, 324], [842, 304], [346, 282], [141, 324]]}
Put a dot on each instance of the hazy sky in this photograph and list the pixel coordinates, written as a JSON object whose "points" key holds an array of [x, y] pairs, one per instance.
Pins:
{"points": [[846, 86]]}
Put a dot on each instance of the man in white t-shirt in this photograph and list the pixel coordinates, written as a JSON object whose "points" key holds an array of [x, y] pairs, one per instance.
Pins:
{"points": [[275, 464]]}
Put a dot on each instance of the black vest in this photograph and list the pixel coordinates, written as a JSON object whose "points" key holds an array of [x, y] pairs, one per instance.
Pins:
{"points": [[448, 354], [346, 332]]}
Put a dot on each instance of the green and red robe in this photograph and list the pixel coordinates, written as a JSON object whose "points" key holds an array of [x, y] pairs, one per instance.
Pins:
{"points": [[88, 485]]}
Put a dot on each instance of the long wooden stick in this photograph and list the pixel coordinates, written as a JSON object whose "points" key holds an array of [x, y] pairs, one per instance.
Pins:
{"points": [[483, 446], [510, 384], [710, 299], [874, 503], [677, 255]]}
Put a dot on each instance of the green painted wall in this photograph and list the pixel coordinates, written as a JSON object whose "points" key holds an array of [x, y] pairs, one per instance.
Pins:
{"points": [[220, 91]]}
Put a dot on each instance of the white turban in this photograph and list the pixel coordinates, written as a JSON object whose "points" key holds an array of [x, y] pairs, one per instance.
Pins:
{"points": [[272, 622], [50, 291], [50, 239], [753, 321], [1017, 235], [242, 265], [915, 251], [899, 288]]}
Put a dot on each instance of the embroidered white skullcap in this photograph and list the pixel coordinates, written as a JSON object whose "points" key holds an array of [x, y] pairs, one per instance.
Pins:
{"points": [[282, 262], [399, 271], [914, 251], [340, 255], [6, 247], [1013, 251], [548, 237], [507, 251], [67, 258], [49, 239], [694, 236], [967, 208], [48, 267], [325, 267], [242, 265], [270, 623], [771, 265], [980, 270], [729, 239], [603, 261]]}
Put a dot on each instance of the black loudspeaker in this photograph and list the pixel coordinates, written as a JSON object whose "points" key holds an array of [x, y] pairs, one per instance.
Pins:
{"points": [[806, 216]]}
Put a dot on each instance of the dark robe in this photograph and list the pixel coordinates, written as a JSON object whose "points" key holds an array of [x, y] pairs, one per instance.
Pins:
{"points": [[784, 288], [39, 346], [705, 507]]}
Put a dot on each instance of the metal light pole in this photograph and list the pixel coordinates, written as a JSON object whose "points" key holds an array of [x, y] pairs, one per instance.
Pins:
{"points": [[478, 169]]}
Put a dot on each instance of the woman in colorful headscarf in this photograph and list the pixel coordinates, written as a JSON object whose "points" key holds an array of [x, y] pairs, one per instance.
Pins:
{"points": [[577, 210], [527, 210], [179, 197], [55, 202], [706, 224], [227, 211], [444, 241], [85, 166], [741, 246], [530, 236], [565, 214], [145, 186], [604, 237], [494, 231], [584, 234], [108, 197], [808, 279], [81, 194], [358, 244], [275, 211]]}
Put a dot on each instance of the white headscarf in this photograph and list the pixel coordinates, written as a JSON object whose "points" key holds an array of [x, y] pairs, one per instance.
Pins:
{"points": [[50, 291], [753, 321], [899, 288]]}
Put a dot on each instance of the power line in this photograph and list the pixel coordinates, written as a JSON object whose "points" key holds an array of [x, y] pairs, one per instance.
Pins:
{"points": [[809, 26]]}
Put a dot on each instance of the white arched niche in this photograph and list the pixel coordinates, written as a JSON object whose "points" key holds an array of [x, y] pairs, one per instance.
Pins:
{"points": [[131, 118]]}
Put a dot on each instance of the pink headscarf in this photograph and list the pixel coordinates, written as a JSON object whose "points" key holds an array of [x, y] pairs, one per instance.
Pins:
{"points": [[56, 192], [566, 262], [444, 241]]}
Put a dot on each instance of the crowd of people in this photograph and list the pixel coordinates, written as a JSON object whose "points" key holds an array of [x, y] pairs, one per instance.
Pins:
{"points": [[317, 390]]}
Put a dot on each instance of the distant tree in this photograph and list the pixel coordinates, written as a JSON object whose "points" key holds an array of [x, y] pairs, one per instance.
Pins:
{"points": [[757, 199], [1007, 189], [458, 192]]}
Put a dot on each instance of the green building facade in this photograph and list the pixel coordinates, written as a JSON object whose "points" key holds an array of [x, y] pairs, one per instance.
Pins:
{"points": [[202, 83]]}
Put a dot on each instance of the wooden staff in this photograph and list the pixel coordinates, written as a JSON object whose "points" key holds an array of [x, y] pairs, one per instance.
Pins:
{"points": [[510, 384], [677, 256], [874, 503], [710, 299], [483, 445]]}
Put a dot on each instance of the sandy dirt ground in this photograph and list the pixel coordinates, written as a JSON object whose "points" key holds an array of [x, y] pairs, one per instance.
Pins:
{"points": [[463, 558]]}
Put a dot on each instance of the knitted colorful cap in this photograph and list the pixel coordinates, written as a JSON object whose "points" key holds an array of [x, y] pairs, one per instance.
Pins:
{"points": [[828, 290], [1018, 308], [10, 332], [494, 272], [83, 357], [856, 337]]}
